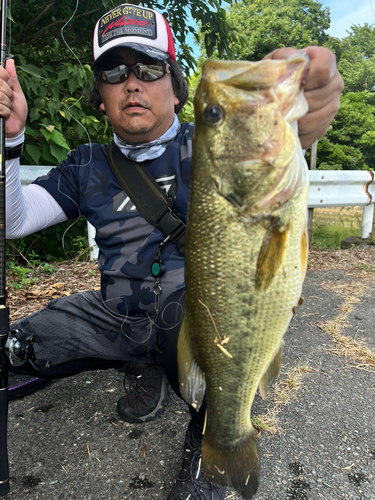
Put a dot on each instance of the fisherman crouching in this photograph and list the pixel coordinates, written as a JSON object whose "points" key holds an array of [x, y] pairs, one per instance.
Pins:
{"points": [[133, 322]]}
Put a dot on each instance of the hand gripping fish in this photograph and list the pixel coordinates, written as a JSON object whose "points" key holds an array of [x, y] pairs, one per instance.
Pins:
{"points": [[246, 251]]}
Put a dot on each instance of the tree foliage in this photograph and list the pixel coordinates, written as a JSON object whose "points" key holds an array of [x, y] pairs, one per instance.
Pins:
{"points": [[356, 58], [265, 25], [350, 142], [39, 30], [58, 118]]}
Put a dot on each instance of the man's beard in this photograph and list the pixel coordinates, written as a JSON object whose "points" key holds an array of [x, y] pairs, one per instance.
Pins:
{"points": [[137, 130]]}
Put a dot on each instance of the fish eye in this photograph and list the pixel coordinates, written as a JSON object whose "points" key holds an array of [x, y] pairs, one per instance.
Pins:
{"points": [[213, 114]]}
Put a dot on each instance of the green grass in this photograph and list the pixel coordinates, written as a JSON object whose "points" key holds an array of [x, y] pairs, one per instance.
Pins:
{"points": [[23, 277], [331, 226], [19, 277], [263, 424]]}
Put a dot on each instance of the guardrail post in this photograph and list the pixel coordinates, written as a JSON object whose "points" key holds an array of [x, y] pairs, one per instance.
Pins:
{"points": [[94, 251], [310, 221], [367, 220]]}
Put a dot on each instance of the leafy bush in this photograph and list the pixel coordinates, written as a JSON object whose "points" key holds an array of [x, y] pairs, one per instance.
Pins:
{"points": [[53, 244], [59, 119]]}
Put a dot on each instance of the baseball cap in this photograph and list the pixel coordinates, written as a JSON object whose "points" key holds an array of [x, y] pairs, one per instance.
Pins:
{"points": [[138, 28]]}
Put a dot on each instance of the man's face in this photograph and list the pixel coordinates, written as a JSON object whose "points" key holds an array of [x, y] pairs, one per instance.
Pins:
{"points": [[139, 111]]}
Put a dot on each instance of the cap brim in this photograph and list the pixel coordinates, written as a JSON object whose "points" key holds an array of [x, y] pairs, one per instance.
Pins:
{"points": [[145, 49]]}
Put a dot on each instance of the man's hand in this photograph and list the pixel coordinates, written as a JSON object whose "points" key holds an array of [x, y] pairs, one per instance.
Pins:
{"points": [[13, 106], [322, 91]]}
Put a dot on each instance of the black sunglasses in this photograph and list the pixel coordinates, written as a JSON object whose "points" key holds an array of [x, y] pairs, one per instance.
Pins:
{"points": [[143, 71]]}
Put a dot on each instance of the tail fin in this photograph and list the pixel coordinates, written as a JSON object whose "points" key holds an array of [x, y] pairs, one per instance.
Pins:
{"points": [[237, 466]]}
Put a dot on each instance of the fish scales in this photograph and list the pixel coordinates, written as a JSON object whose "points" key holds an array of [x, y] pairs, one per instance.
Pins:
{"points": [[246, 252]]}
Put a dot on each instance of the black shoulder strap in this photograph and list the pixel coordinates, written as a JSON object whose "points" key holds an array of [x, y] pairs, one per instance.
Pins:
{"points": [[150, 199]]}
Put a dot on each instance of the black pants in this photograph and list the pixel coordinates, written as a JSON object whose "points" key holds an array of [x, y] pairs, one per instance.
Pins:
{"points": [[85, 313]]}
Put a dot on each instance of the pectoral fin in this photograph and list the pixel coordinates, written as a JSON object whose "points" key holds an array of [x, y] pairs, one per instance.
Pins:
{"points": [[271, 373], [191, 377], [270, 257]]}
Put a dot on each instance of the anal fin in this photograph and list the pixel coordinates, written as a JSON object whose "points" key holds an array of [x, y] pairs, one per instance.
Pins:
{"points": [[191, 377], [270, 375]]}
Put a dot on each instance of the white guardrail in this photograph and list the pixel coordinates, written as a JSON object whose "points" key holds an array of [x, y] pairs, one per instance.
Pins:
{"points": [[344, 188], [328, 188]]}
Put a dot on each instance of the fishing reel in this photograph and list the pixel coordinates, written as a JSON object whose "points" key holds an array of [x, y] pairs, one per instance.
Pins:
{"points": [[19, 348]]}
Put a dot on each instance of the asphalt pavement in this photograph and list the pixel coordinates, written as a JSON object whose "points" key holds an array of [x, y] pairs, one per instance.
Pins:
{"points": [[66, 442]]}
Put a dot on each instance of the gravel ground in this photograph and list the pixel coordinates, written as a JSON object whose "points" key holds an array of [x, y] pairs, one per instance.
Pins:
{"points": [[66, 441]]}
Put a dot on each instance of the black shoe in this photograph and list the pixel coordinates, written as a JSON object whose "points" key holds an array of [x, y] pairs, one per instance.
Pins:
{"points": [[191, 482], [147, 392]]}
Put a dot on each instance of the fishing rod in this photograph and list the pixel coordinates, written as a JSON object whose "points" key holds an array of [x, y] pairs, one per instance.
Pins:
{"points": [[4, 310], [16, 346]]}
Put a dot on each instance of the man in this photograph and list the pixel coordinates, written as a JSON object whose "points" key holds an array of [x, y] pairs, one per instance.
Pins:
{"points": [[136, 315]]}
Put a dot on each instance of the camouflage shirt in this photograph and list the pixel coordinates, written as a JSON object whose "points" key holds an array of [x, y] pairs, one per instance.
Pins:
{"points": [[84, 184]]}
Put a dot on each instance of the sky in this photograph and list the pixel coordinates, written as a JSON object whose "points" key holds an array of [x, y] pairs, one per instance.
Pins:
{"points": [[344, 13]]}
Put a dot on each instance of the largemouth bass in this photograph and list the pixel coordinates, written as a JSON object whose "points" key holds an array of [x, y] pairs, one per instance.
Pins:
{"points": [[246, 252]]}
